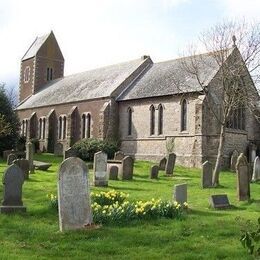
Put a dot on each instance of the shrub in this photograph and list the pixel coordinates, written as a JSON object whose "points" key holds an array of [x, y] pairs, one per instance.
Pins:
{"points": [[86, 148], [112, 207]]}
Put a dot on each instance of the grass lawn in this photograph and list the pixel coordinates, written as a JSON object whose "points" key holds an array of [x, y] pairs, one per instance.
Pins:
{"points": [[203, 234]]}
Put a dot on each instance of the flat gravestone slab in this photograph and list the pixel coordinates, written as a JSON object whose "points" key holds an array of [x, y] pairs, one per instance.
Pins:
{"points": [[100, 169], [180, 193], [41, 165], [13, 180], [219, 201], [74, 195]]}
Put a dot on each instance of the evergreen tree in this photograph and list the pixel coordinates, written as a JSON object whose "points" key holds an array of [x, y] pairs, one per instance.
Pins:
{"points": [[9, 122]]}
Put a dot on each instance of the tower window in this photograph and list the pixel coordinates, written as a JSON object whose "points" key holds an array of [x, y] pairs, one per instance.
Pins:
{"points": [[49, 74]]}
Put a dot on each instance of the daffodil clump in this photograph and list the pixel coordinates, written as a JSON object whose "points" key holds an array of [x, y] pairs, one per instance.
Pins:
{"points": [[112, 207], [108, 198], [53, 200]]}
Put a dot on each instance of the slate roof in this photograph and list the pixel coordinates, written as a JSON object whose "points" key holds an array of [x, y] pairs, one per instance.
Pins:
{"points": [[36, 45], [91, 84], [169, 78]]}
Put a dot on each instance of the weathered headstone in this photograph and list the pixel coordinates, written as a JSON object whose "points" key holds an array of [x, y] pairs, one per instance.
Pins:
{"points": [[233, 161], [127, 168], [180, 193], [256, 170], [113, 173], [170, 164], [206, 178], [10, 158], [74, 195], [119, 155], [162, 164], [29, 156], [243, 178], [100, 169], [58, 149], [219, 201], [154, 172], [13, 180], [6, 153], [23, 164], [69, 153]]}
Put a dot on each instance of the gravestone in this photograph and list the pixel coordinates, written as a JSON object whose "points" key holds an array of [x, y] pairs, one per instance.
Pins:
{"points": [[13, 179], [119, 155], [74, 195], [100, 169], [170, 164], [113, 173], [6, 153], [233, 161], [180, 193], [23, 164], [243, 178], [154, 172], [43, 166], [219, 201], [69, 153], [206, 178], [256, 170], [162, 164], [58, 149], [10, 158], [29, 156], [127, 168]]}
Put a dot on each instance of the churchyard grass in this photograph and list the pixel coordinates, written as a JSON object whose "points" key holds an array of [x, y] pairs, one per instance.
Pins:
{"points": [[203, 234]]}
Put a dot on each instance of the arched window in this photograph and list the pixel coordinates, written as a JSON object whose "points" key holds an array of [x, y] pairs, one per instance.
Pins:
{"points": [[43, 127], [129, 112], [60, 127], [184, 115], [160, 119], [40, 128], [237, 118], [83, 126], [152, 120], [49, 74], [88, 125], [64, 127]]}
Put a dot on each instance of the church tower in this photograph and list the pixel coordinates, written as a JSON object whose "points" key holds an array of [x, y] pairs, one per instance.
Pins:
{"points": [[42, 63]]}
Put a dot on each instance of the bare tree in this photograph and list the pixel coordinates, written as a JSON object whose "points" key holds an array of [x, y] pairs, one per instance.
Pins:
{"points": [[233, 52]]}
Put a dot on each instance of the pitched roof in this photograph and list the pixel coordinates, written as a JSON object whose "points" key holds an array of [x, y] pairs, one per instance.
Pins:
{"points": [[36, 45], [169, 78], [98, 83]]}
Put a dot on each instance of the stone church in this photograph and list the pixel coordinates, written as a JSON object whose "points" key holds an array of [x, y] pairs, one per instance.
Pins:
{"points": [[136, 102]]}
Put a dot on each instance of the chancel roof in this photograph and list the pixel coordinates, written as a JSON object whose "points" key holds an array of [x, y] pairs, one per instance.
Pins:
{"points": [[172, 77]]}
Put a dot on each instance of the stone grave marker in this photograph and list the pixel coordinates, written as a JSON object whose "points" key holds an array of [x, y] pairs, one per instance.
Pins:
{"points": [[127, 168], [74, 195], [233, 161], [170, 164], [11, 157], [58, 149], [119, 155], [219, 201], [23, 164], [6, 153], [243, 178], [29, 156], [256, 170], [69, 153], [206, 178], [154, 172], [100, 169], [13, 180], [162, 164], [113, 173], [180, 193]]}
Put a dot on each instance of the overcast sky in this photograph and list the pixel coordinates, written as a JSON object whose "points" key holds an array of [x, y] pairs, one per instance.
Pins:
{"points": [[101, 32]]}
